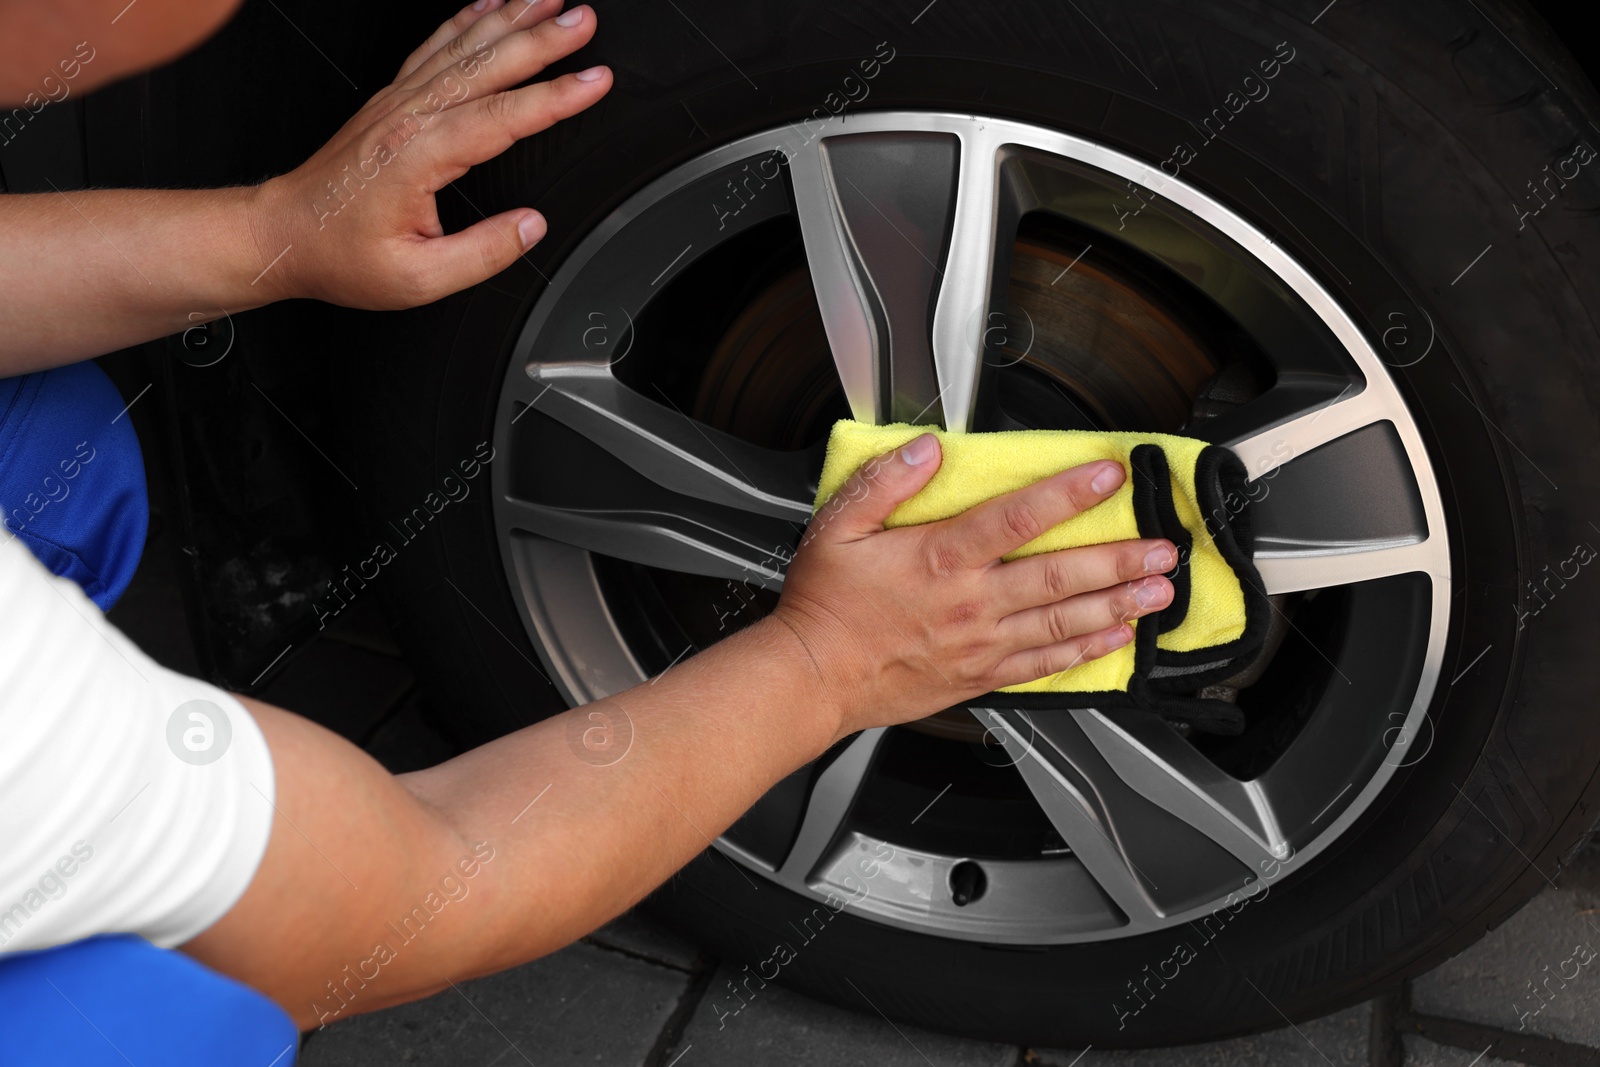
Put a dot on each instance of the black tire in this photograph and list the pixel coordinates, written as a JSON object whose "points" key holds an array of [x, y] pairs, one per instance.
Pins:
{"points": [[1399, 139]]}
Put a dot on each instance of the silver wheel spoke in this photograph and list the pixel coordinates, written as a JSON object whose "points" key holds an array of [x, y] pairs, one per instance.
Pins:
{"points": [[899, 230], [1323, 566], [974, 278], [703, 502], [1266, 449], [668, 447], [1336, 501], [1075, 813], [830, 800], [658, 539], [1155, 762], [1150, 862]]}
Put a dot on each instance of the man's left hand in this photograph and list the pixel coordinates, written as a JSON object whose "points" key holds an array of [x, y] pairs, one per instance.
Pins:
{"points": [[359, 218]]}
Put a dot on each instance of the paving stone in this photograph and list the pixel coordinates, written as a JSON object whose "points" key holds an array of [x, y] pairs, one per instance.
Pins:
{"points": [[580, 1005], [1420, 1052], [642, 935], [1340, 1039], [781, 1028], [406, 742], [1538, 973]]}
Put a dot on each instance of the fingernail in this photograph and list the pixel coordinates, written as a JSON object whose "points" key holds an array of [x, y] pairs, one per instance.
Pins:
{"points": [[593, 74], [1109, 478], [921, 450], [570, 19], [1123, 635], [1147, 593], [480, 5], [531, 228], [1159, 560]]}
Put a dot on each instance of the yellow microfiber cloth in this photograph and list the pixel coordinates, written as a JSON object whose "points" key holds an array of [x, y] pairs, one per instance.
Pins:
{"points": [[1180, 488]]}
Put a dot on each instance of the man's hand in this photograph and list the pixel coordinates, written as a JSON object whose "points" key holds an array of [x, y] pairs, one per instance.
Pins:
{"points": [[356, 224], [904, 622], [359, 217]]}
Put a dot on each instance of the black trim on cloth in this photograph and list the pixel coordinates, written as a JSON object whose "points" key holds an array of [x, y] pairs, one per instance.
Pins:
{"points": [[1221, 490], [1157, 516], [1163, 682]]}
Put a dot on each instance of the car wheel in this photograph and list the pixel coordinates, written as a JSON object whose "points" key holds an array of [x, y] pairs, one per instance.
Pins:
{"points": [[1348, 245]]}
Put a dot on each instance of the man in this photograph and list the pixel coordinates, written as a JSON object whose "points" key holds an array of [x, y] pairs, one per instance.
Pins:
{"points": [[284, 862]]}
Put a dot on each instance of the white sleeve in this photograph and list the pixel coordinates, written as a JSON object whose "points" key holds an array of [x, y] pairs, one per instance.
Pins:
{"points": [[133, 799]]}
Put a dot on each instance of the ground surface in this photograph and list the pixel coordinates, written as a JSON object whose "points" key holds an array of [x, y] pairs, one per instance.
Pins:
{"points": [[635, 995]]}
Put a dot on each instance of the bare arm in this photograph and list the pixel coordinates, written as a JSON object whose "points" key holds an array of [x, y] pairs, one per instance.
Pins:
{"points": [[875, 627], [88, 272], [708, 738], [93, 271]]}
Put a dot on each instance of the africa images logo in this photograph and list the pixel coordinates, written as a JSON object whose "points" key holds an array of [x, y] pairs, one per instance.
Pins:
{"points": [[199, 732]]}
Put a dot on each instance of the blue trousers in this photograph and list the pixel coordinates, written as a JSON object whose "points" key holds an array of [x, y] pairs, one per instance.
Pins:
{"points": [[72, 489], [111, 1001], [72, 478]]}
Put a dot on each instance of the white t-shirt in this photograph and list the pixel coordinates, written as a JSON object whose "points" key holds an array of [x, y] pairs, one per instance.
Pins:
{"points": [[133, 799]]}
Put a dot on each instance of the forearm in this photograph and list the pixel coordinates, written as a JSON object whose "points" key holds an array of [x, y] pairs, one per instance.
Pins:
{"points": [[89, 272], [575, 840], [708, 738]]}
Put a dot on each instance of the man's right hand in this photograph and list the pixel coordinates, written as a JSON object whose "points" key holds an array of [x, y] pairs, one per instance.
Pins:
{"points": [[902, 623]]}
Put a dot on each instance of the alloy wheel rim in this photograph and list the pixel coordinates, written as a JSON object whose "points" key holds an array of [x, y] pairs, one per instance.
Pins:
{"points": [[906, 221]]}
